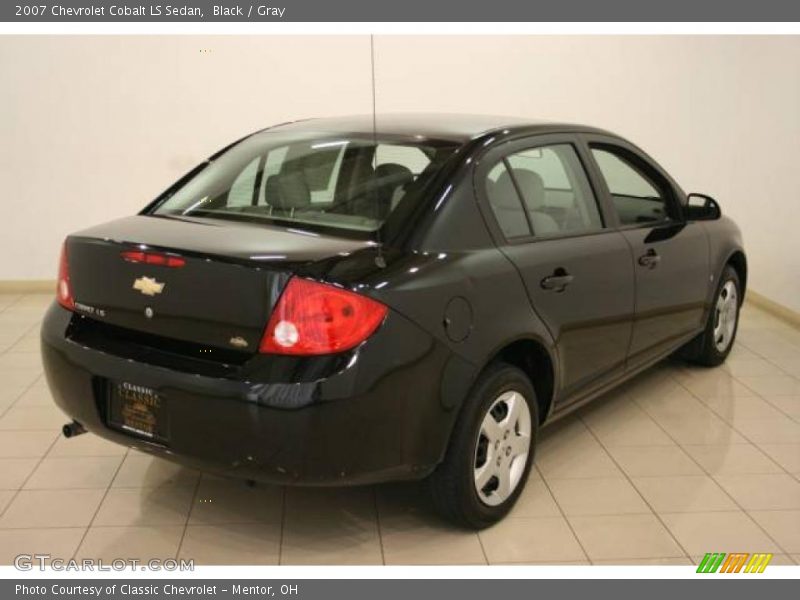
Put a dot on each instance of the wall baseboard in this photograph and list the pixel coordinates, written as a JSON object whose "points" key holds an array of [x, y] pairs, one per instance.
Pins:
{"points": [[774, 308], [27, 286]]}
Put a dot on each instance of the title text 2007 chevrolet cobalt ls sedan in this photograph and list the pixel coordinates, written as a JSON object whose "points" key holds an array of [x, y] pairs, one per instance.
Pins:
{"points": [[322, 303]]}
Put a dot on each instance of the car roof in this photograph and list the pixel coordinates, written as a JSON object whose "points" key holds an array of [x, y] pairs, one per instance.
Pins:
{"points": [[443, 126]]}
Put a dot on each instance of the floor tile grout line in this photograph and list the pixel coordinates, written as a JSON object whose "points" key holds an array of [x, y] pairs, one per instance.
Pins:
{"points": [[13, 403], [13, 303], [770, 315], [761, 396], [750, 442], [378, 523], [78, 456], [19, 299], [28, 431], [619, 514], [778, 326], [771, 362], [601, 560], [48, 527], [721, 416], [743, 509], [680, 445], [19, 339], [564, 515], [22, 485], [766, 358], [633, 485], [483, 550], [99, 506], [256, 522], [482, 547], [4, 308], [189, 512], [732, 426]]}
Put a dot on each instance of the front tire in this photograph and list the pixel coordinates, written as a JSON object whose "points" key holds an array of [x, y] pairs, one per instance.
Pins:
{"points": [[491, 450], [712, 347]]}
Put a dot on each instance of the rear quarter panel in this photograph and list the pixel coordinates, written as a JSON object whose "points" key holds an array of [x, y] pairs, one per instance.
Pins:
{"points": [[421, 284]]}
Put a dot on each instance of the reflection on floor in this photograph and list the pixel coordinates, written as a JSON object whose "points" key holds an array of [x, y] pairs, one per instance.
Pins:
{"points": [[680, 462]]}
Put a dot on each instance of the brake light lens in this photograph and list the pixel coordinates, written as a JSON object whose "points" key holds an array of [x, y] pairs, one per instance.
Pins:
{"points": [[64, 287], [153, 258], [314, 318]]}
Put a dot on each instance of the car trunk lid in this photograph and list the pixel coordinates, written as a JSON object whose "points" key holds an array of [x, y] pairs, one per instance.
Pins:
{"points": [[220, 295]]}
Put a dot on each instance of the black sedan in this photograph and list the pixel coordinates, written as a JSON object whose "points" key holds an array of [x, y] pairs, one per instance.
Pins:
{"points": [[328, 303]]}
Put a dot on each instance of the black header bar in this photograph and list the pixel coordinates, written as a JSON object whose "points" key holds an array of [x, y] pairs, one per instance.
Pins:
{"points": [[400, 11]]}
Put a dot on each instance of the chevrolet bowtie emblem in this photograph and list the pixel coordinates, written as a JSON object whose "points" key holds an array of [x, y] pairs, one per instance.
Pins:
{"points": [[148, 286], [238, 342]]}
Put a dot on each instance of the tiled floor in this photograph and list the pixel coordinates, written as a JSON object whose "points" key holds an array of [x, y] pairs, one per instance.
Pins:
{"points": [[679, 462]]}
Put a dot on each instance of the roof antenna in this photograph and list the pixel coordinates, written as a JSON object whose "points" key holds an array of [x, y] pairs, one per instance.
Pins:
{"points": [[380, 262]]}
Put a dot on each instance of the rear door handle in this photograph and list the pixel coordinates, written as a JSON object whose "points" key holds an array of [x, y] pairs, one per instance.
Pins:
{"points": [[558, 281], [650, 259]]}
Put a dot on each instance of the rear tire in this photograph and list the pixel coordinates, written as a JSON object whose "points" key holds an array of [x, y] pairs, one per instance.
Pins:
{"points": [[712, 347], [491, 450]]}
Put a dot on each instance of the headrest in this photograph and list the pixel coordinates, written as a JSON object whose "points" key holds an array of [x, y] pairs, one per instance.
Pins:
{"points": [[504, 194], [287, 191], [532, 187], [393, 174]]}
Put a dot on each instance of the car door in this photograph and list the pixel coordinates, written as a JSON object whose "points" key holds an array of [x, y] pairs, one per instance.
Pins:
{"points": [[671, 260], [577, 270]]}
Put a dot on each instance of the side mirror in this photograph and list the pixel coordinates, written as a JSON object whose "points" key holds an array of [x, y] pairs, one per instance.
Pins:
{"points": [[700, 207]]}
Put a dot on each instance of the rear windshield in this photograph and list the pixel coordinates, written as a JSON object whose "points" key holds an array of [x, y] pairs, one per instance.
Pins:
{"points": [[341, 181]]}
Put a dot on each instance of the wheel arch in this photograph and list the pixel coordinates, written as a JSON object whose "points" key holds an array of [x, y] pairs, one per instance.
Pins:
{"points": [[738, 261], [536, 360]]}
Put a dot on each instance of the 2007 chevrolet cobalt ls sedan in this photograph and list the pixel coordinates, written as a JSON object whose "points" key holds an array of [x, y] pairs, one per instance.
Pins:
{"points": [[324, 303]]}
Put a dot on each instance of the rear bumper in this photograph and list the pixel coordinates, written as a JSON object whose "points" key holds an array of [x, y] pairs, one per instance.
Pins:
{"points": [[386, 414]]}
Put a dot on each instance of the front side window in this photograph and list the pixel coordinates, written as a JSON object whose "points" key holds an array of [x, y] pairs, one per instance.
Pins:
{"points": [[545, 188], [347, 182], [637, 199]]}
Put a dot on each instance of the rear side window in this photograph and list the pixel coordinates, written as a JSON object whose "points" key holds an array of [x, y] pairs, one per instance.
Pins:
{"points": [[637, 198], [545, 189], [505, 202]]}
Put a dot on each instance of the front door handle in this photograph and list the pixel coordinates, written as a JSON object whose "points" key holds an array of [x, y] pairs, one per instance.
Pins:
{"points": [[558, 281], [650, 259]]}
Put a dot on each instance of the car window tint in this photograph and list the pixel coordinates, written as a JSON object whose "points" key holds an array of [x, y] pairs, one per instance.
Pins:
{"points": [[409, 157], [241, 192], [505, 203], [396, 168], [557, 194], [349, 182], [636, 198], [272, 166]]}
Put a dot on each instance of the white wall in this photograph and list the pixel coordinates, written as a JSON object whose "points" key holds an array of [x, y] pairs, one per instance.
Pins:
{"points": [[94, 127], [721, 114]]}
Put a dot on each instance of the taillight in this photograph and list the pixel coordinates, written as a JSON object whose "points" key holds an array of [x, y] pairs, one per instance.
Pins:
{"points": [[314, 318], [153, 258], [64, 288]]}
